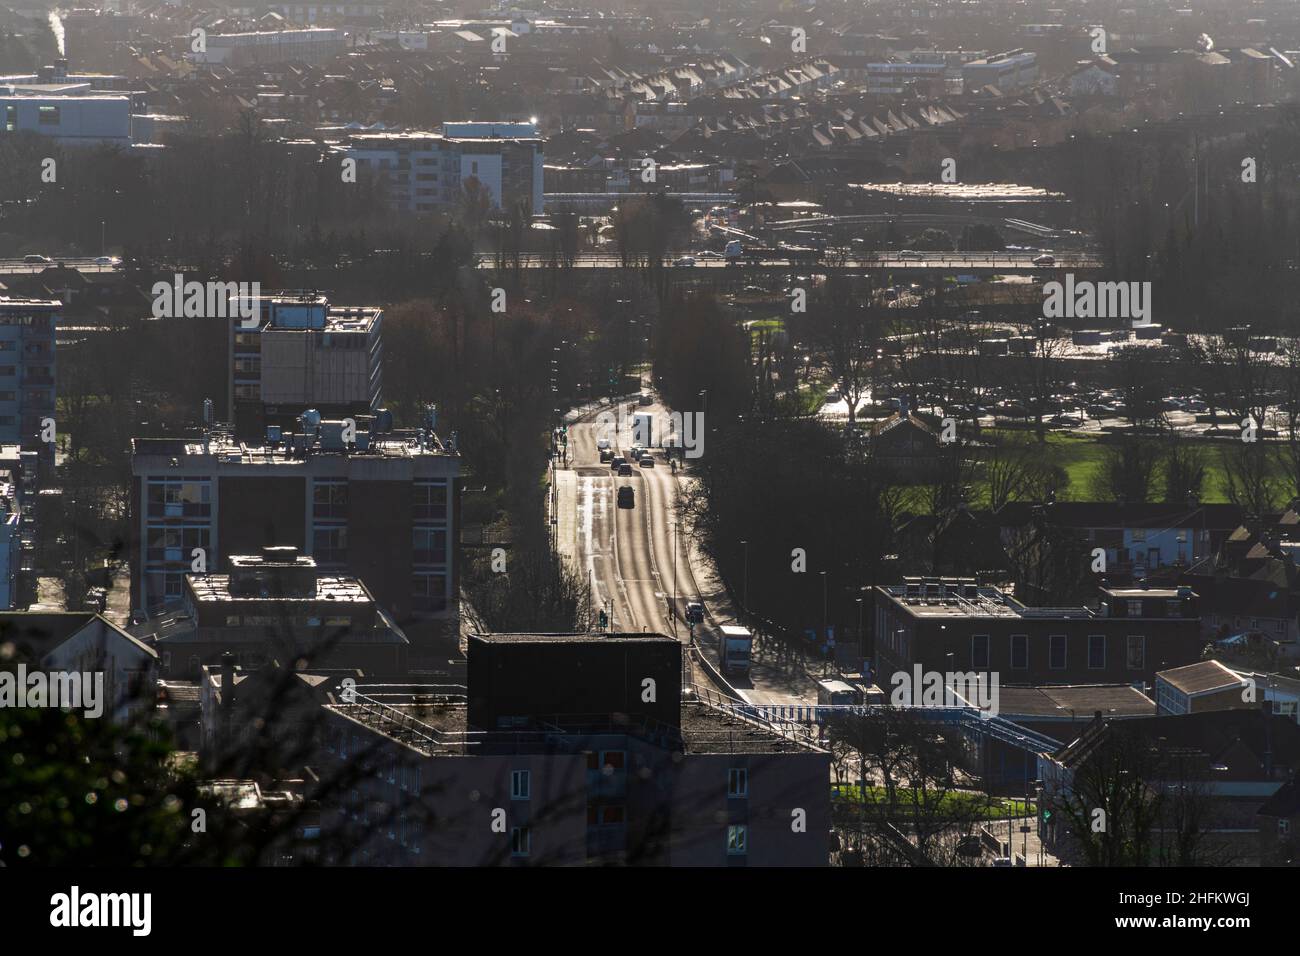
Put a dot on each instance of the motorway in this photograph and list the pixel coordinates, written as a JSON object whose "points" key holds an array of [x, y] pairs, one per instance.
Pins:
{"points": [[80, 263], [917, 261], [632, 556]]}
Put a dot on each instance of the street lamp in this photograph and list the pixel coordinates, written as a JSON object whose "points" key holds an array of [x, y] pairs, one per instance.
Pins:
{"points": [[744, 599]]}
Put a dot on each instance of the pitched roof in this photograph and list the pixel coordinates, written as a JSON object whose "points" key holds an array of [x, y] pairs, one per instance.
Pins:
{"points": [[1200, 678]]}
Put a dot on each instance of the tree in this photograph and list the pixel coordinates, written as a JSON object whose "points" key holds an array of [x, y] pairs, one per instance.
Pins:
{"points": [[1184, 469], [1127, 471], [1250, 476], [850, 340]]}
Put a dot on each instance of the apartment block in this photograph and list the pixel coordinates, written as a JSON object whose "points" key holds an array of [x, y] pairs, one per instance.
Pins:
{"points": [[27, 364], [549, 784], [426, 171], [300, 352], [382, 508]]}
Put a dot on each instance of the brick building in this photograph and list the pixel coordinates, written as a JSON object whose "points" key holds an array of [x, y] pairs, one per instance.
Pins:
{"points": [[384, 508], [952, 624]]}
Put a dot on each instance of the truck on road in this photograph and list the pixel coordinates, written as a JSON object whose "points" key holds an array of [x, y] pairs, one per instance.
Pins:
{"points": [[734, 647]]}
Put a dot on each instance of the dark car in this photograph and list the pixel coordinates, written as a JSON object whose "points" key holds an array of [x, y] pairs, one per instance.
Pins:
{"points": [[647, 461], [625, 470], [626, 497]]}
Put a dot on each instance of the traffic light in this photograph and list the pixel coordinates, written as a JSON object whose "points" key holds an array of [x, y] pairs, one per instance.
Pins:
{"points": [[604, 620]]}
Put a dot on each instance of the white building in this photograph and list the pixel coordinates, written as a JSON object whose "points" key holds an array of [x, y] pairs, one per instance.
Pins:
{"points": [[71, 119], [1008, 71], [427, 171], [310, 45]]}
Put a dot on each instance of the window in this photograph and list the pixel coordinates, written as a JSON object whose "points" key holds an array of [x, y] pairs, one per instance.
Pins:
{"points": [[1139, 534], [1173, 609], [429, 500], [737, 840], [738, 782], [329, 545], [1096, 651], [520, 784], [1137, 652], [429, 592], [329, 498], [48, 115], [521, 841], [979, 652], [1019, 652], [429, 545], [1135, 608], [1056, 652]]}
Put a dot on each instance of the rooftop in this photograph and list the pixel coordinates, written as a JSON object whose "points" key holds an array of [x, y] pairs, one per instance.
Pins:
{"points": [[338, 589], [963, 598], [434, 721], [1200, 678], [1074, 702], [221, 446]]}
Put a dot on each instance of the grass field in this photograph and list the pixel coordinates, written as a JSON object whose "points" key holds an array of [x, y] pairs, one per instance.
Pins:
{"points": [[963, 803], [1081, 456]]}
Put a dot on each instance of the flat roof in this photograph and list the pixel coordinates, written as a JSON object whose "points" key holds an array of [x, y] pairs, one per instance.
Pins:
{"points": [[225, 449], [589, 637], [1074, 702], [968, 191], [334, 589]]}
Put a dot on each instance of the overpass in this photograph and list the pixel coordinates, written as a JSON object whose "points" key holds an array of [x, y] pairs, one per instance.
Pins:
{"points": [[918, 263]]}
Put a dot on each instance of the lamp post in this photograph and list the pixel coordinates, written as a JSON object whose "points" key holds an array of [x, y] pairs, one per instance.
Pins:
{"points": [[744, 595]]}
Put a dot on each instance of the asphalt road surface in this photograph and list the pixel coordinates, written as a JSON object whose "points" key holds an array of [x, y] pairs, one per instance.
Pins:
{"points": [[635, 561]]}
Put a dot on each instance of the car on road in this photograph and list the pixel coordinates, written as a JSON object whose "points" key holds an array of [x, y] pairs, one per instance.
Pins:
{"points": [[1044, 260], [908, 254], [616, 462], [685, 262], [35, 259], [106, 260], [606, 454], [625, 470], [626, 497], [647, 461], [646, 398], [694, 613]]}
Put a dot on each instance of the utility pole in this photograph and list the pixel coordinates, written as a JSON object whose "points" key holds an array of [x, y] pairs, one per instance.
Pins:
{"points": [[745, 592]]}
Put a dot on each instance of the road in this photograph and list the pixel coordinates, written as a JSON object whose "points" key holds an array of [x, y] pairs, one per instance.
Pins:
{"points": [[635, 560], [80, 263], [918, 261]]}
